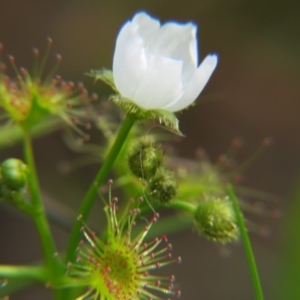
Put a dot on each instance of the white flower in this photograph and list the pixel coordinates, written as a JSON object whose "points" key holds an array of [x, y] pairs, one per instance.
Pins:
{"points": [[156, 66]]}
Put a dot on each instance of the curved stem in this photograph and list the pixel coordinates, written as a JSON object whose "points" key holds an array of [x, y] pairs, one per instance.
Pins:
{"points": [[38, 214], [99, 180], [182, 205], [247, 244]]}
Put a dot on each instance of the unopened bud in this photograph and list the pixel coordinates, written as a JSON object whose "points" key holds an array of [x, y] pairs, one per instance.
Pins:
{"points": [[162, 187], [14, 174], [215, 220], [144, 159]]}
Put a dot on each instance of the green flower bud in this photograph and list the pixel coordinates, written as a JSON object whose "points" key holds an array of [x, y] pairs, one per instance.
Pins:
{"points": [[13, 174], [215, 220], [144, 159], [162, 187]]}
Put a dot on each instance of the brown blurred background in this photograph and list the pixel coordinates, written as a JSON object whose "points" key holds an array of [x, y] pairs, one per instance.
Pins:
{"points": [[254, 93]]}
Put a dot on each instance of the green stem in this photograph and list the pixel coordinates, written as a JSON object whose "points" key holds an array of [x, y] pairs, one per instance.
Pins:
{"points": [[176, 204], [14, 278], [98, 181], [182, 205], [37, 273], [247, 244], [38, 214]]}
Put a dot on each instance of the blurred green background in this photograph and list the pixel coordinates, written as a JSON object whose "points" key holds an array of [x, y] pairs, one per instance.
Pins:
{"points": [[254, 93]]}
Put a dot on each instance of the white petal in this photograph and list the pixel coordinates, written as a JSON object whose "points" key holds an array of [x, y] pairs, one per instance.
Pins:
{"points": [[196, 85], [173, 35], [194, 46], [129, 62], [174, 40], [147, 26], [178, 41], [161, 84]]}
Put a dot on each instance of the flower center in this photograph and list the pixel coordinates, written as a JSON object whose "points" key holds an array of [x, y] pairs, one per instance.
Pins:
{"points": [[116, 272]]}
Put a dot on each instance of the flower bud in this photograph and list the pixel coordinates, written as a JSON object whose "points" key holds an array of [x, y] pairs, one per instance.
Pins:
{"points": [[215, 220], [162, 187], [13, 174], [144, 159]]}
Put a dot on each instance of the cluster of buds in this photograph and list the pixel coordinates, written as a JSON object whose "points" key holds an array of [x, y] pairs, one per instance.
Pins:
{"points": [[145, 161], [119, 265], [31, 97]]}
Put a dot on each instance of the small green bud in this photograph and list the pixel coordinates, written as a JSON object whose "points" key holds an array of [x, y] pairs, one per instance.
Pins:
{"points": [[13, 174], [162, 187], [144, 159], [215, 220]]}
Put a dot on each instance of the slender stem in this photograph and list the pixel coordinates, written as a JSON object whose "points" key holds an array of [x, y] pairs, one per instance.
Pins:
{"points": [[182, 205], [38, 273], [99, 180], [176, 204], [247, 245], [39, 215]]}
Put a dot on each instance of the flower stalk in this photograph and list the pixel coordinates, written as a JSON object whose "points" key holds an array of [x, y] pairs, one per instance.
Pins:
{"points": [[99, 180]]}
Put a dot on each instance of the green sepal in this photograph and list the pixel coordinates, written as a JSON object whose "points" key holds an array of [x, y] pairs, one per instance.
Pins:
{"points": [[166, 118], [104, 75]]}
